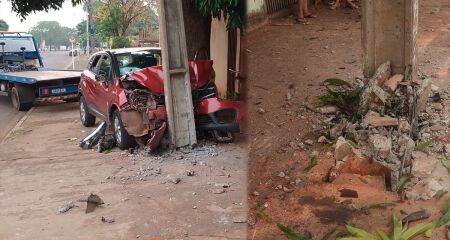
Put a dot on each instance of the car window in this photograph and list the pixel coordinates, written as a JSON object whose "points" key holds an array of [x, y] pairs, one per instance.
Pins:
{"points": [[134, 61], [93, 63], [104, 67]]}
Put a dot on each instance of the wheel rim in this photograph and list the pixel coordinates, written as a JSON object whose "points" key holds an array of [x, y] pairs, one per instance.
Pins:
{"points": [[83, 111], [117, 130]]}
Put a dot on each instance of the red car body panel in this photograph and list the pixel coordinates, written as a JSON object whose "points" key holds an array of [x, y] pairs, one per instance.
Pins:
{"points": [[153, 77], [211, 105]]}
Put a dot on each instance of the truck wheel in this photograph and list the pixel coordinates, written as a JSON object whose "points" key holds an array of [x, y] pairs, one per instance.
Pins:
{"points": [[123, 139], [17, 100], [87, 119]]}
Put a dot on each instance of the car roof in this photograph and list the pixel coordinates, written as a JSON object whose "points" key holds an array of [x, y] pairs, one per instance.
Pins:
{"points": [[128, 50]]}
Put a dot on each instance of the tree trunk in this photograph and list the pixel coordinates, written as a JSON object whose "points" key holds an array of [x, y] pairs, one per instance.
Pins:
{"points": [[198, 29]]}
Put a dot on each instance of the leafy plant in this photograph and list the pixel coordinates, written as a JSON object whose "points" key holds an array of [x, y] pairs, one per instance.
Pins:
{"points": [[446, 217], [341, 94], [233, 11], [399, 231], [421, 146], [446, 162], [291, 234], [378, 205], [403, 180], [312, 164]]}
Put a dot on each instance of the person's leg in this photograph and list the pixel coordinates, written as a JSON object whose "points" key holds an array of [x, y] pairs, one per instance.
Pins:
{"points": [[306, 12], [352, 4], [335, 5], [300, 13]]}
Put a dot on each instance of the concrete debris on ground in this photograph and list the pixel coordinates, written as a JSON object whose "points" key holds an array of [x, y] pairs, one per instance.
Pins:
{"points": [[67, 207], [396, 125], [92, 202], [108, 220]]}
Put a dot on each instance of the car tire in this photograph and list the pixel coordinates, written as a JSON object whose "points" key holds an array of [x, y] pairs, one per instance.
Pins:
{"points": [[18, 101], [123, 139], [87, 119]]}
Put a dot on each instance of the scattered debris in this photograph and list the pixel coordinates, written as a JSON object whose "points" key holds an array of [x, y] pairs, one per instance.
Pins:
{"points": [[67, 207], [378, 205], [403, 180], [173, 179], [92, 139], [92, 202], [190, 173], [108, 220], [291, 234], [416, 216], [348, 193]]}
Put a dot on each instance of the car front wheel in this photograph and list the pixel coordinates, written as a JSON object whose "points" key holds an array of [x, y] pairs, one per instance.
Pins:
{"points": [[123, 139]]}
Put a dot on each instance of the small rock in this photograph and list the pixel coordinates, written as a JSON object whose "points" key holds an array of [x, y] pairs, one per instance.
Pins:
{"points": [[380, 145], [298, 181], [190, 173], [173, 179], [423, 164], [108, 220], [327, 109], [287, 190], [67, 207], [218, 190], [374, 119], [261, 110], [392, 83], [309, 142], [343, 149], [281, 175], [240, 219], [255, 193], [404, 126], [323, 139]]}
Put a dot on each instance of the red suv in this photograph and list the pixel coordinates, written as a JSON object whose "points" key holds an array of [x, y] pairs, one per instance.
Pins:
{"points": [[125, 88]]}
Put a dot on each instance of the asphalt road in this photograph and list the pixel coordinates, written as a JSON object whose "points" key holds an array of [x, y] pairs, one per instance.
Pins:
{"points": [[8, 116]]}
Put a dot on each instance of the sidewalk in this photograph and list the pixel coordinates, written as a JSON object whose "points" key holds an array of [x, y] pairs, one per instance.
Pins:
{"points": [[42, 169]]}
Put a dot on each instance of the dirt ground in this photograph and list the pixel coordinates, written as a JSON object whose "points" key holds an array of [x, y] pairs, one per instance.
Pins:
{"points": [[43, 169], [287, 64]]}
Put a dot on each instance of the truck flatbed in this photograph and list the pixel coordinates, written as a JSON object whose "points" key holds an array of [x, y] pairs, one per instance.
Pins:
{"points": [[31, 77]]}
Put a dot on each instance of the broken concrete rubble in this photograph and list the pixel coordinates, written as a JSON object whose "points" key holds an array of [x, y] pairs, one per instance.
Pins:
{"points": [[342, 149], [374, 119]]}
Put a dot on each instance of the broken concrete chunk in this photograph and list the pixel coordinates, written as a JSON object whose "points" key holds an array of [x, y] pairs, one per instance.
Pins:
{"points": [[374, 98], [173, 179], [92, 202], [327, 109], [336, 131], [392, 83], [380, 145], [374, 119], [343, 149], [382, 74], [67, 207], [423, 164], [404, 126], [108, 220], [423, 92]]}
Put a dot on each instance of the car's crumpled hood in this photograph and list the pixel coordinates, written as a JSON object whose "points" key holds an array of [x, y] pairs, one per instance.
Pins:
{"points": [[153, 77]]}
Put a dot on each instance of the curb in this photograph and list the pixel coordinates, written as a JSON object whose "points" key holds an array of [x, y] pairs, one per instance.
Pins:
{"points": [[18, 125]]}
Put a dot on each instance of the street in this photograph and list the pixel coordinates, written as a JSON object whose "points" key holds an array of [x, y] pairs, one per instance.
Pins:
{"points": [[9, 116]]}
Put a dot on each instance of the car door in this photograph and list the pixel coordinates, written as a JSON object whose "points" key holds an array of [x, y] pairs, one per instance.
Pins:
{"points": [[103, 84], [87, 83]]}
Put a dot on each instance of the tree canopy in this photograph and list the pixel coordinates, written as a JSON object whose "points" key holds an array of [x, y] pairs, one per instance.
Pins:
{"points": [[232, 10], [3, 25], [23, 8], [52, 32]]}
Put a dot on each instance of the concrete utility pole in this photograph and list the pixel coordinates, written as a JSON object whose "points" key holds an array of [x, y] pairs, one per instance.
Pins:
{"points": [[177, 85], [389, 29]]}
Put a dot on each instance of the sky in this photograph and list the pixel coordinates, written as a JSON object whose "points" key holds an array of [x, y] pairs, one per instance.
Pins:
{"points": [[67, 16]]}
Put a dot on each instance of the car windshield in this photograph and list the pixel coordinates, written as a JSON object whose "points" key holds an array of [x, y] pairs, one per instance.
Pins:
{"points": [[134, 61]]}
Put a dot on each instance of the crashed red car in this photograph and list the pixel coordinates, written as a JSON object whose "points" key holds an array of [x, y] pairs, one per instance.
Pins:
{"points": [[125, 88]]}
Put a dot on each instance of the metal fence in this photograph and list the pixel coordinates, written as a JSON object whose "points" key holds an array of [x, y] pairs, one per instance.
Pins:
{"points": [[276, 5]]}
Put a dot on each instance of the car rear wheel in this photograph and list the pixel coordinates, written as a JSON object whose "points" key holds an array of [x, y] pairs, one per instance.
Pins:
{"points": [[18, 101], [123, 139], [87, 119]]}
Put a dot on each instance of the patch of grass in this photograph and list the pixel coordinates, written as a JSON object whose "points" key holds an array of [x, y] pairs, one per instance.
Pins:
{"points": [[312, 164], [446, 217], [260, 211], [401, 183], [421, 146], [445, 162], [352, 143], [341, 94], [440, 194], [106, 151], [19, 131], [378, 205], [291, 234]]}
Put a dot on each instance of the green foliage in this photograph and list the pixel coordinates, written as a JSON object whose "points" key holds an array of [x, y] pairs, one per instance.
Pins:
{"points": [[291, 234], [312, 164], [403, 180], [379, 205], [421, 146], [3, 25], [399, 232], [446, 162], [440, 193], [232, 10], [24, 7], [446, 217], [341, 94], [120, 42], [52, 32]]}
